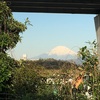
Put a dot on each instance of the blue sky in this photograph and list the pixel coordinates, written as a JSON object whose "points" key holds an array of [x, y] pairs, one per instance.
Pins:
{"points": [[51, 30]]}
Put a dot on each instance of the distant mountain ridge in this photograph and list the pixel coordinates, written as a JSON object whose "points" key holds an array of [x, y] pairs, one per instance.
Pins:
{"points": [[61, 53]]}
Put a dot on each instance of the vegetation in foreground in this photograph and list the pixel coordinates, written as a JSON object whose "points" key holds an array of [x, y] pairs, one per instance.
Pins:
{"points": [[44, 79]]}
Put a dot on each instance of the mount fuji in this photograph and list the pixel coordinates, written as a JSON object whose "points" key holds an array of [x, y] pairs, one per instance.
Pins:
{"points": [[61, 53]]}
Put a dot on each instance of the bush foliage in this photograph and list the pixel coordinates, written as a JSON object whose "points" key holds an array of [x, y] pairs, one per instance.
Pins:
{"points": [[9, 37], [9, 28]]}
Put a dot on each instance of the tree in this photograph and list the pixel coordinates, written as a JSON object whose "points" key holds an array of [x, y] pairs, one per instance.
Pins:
{"points": [[89, 56], [9, 37], [90, 65], [9, 28]]}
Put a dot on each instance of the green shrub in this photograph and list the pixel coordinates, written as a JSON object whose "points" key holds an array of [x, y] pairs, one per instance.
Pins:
{"points": [[6, 66], [25, 82]]}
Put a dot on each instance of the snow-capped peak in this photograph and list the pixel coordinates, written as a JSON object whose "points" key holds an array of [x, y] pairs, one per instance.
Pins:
{"points": [[61, 50]]}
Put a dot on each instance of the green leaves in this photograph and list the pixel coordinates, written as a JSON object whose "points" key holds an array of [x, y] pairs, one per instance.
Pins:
{"points": [[9, 28], [89, 54], [90, 57], [6, 65]]}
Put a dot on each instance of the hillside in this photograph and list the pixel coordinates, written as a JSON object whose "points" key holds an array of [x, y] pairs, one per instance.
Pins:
{"points": [[49, 67]]}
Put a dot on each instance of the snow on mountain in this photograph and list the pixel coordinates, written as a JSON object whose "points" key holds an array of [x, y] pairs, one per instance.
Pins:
{"points": [[61, 50], [61, 53]]}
